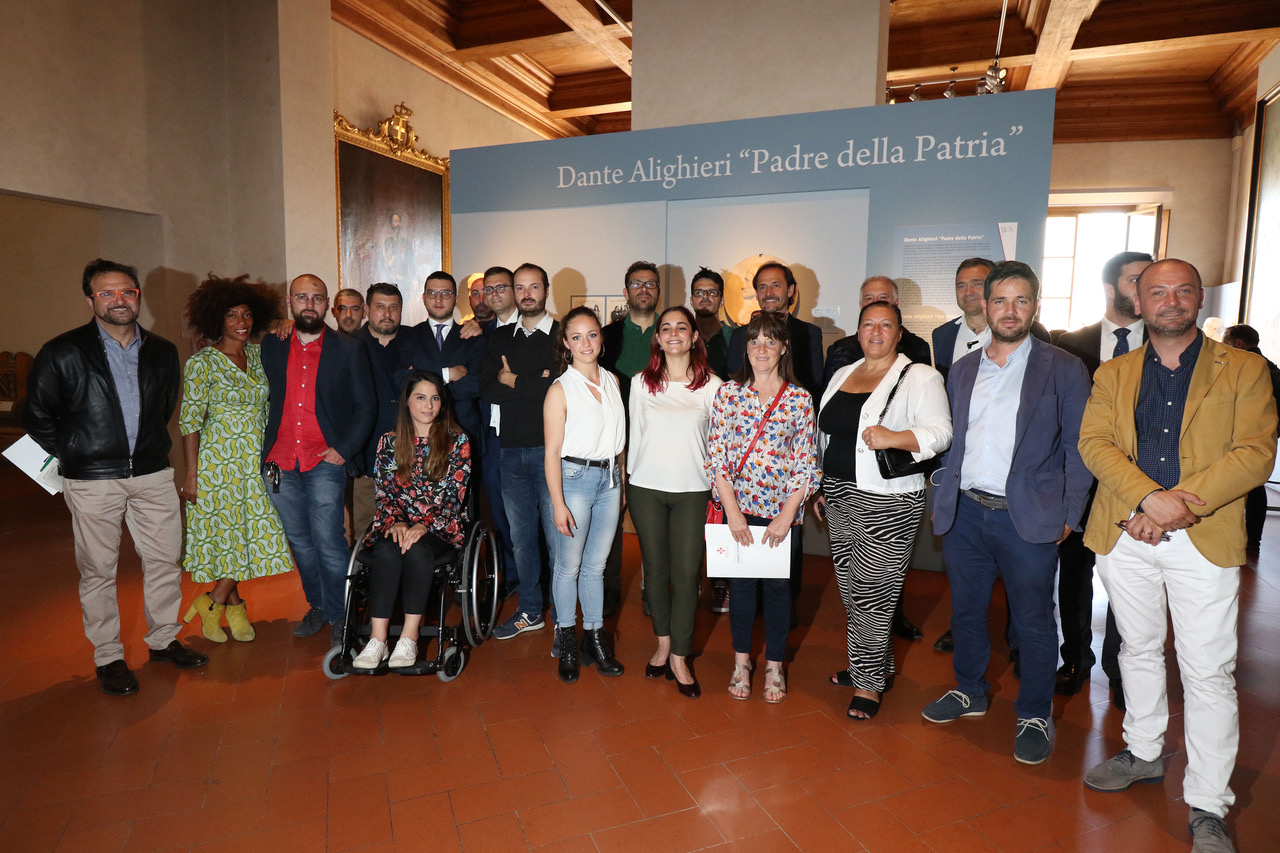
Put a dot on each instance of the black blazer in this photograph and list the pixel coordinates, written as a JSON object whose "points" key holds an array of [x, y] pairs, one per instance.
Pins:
{"points": [[418, 350], [345, 399], [1086, 343], [806, 354], [944, 343]]}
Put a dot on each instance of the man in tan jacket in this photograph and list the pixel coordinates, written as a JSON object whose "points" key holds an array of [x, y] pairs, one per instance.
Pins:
{"points": [[1177, 433]]}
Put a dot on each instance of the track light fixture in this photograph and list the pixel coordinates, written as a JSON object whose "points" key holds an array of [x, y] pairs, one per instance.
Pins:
{"points": [[915, 93]]}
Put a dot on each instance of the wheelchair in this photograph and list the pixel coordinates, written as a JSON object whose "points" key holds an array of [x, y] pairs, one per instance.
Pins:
{"points": [[468, 576]]}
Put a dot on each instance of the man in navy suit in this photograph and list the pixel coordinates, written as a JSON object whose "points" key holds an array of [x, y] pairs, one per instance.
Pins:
{"points": [[775, 288], [500, 298], [323, 381], [1120, 330], [437, 344], [1011, 488]]}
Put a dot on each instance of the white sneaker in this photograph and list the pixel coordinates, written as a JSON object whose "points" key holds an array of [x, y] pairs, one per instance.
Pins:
{"points": [[406, 654], [374, 653]]}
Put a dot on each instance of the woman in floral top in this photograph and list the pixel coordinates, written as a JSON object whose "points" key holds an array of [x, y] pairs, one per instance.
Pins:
{"points": [[420, 481], [777, 478]]}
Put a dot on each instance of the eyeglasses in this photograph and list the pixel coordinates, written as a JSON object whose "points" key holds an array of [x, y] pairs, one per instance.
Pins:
{"points": [[706, 294], [637, 284], [126, 293], [437, 294], [496, 288], [316, 299]]}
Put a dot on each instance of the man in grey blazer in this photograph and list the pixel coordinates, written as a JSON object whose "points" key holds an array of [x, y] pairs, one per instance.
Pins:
{"points": [[1011, 488]]}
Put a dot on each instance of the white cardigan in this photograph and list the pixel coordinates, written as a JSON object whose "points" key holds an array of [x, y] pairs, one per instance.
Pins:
{"points": [[920, 405]]}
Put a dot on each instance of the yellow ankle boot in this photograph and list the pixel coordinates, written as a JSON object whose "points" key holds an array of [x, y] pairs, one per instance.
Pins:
{"points": [[238, 622], [210, 613]]}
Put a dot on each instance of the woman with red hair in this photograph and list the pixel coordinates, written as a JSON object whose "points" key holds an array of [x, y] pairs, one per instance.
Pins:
{"points": [[669, 489]]}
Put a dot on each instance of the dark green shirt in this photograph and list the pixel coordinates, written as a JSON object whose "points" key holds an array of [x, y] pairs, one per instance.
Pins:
{"points": [[634, 356]]}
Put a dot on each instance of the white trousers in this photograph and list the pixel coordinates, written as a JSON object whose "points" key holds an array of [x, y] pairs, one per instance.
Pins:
{"points": [[1203, 600]]}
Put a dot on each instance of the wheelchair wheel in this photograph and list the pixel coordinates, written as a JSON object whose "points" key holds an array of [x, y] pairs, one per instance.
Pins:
{"points": [[333, 664], [480, 597], [455, 661]]}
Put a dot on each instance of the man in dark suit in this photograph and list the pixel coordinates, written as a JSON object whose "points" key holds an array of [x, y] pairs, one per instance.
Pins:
{"points": [[775, 287], [322, 379], [1011, 488], [500, 298], [384, 302], [877, 288], [1120, 330], [1246, 337], [437, 344]]}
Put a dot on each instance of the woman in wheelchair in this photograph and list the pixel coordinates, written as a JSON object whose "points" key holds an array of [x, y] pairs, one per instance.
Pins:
{"points": [[421, 476]]}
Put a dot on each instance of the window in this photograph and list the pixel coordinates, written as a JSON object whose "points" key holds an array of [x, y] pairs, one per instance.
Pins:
{"points": [[1077, 243]]}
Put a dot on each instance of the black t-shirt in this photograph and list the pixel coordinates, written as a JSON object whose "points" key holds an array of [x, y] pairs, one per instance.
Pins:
{"points": [[841, 420]]}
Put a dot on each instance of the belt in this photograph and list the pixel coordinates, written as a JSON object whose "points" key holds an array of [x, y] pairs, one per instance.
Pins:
{"points": [[590, 463], [985, 500]]}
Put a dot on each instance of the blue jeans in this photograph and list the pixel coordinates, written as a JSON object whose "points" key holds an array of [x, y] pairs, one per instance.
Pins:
{"points": [[491, 475], [577, 574], [982, 543], [310, 505], [776, 602], [524, 487]]}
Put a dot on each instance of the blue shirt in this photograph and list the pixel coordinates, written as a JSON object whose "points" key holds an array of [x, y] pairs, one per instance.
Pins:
{"points": [[1158, 417], [993, 421], [123, 362]]}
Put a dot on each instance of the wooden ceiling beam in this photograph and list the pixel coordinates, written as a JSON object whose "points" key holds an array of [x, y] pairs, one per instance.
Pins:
{"points": [[1053, 49], [956, 42], [1171, 44], [1235, 84], [534, 44], [591, 93], [1139, 21], [586, 23]]}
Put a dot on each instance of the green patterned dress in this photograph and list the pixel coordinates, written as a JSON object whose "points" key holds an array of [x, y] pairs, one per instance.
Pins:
{"points": [[233, 531]]}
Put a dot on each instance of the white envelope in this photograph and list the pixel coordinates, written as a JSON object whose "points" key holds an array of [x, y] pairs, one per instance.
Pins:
{"points": [[727, 559], [31, 459]]}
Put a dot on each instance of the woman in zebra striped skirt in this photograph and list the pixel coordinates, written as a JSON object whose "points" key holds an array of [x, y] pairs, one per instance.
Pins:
{"points": [[873, 520]]}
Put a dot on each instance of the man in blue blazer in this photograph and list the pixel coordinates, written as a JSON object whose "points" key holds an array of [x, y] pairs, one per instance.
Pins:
{"points": [[1011, 488], [437, 344], [970, 328], [323, 380]]}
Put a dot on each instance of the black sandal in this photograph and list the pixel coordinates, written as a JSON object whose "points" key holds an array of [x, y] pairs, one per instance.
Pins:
{"points": [[842, 679], [870, 707]]}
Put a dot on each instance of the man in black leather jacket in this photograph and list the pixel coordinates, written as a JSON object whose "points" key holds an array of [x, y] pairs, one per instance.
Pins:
{"points": [[99, 398]]}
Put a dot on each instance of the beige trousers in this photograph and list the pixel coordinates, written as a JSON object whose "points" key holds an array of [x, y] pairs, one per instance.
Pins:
{"points": [[149, 505]]}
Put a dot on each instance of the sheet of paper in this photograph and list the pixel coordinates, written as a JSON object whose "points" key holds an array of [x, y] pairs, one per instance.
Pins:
{"points": [[727, 559], [35, 463]]}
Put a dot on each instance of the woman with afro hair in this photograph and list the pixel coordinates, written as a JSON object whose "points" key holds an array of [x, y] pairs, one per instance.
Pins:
{"points": [[233, 531]]}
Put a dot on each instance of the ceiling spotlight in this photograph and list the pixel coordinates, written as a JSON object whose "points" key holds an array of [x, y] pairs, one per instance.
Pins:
{"points": [[994, 77], [915, 93], [888, 96], [950, 91]]}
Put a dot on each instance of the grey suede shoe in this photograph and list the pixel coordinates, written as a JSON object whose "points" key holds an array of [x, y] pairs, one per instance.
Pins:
{"points": [[1122, 770], [1209, 833]]}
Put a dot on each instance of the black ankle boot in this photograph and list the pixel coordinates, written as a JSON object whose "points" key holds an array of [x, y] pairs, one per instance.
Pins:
{"points": [[596, 649], [568, 638]]}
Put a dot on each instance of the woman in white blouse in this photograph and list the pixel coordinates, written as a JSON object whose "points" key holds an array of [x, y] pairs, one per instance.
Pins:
{"points": [[668, 488], [873, 520], [585, 435]]}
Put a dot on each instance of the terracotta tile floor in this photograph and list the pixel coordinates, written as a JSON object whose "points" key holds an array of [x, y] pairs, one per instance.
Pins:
{"points": [[260, 751]]}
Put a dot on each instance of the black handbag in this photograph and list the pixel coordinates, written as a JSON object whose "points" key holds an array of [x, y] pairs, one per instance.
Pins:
{"points": [[894, 462]]}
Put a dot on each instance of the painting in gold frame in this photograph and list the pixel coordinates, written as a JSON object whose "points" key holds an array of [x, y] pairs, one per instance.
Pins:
{"points": [[393, 208]]}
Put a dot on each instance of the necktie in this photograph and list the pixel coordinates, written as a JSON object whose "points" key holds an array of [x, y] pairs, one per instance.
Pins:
{"points": [[1122, 343], [440, 337]]}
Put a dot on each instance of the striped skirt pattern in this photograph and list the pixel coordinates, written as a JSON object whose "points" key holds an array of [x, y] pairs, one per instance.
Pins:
{"points": [[872, 536]]}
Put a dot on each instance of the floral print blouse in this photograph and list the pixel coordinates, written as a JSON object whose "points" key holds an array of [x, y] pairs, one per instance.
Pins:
{"points": [[783, 461], [438, 505]]}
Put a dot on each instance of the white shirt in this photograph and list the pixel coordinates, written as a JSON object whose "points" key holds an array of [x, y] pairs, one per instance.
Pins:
{"points": [[495, 411], [1107, 340], [993, 421], [593, 429], [967, 340], [668, 451]]}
